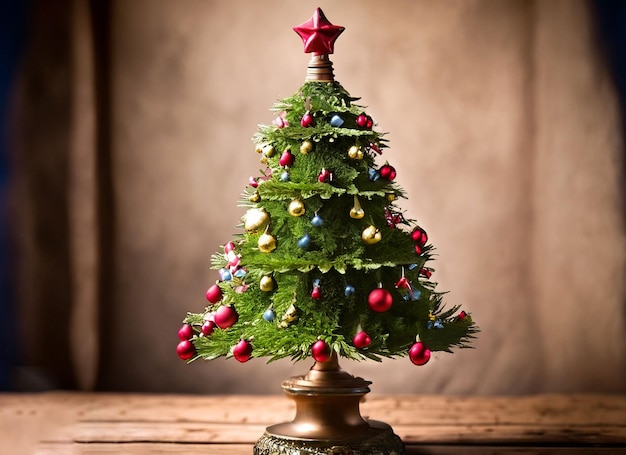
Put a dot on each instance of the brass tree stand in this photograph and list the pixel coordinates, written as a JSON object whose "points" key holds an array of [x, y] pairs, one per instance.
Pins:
{"points": [[327, 418]]}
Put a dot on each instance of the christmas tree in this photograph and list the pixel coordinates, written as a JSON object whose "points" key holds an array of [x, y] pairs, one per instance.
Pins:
{"points": [[325, 261]]}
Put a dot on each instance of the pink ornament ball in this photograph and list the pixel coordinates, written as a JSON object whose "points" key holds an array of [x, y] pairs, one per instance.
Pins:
{"points": [[230, 246], [185, 350], [185, 332], [321, 351], [419, 354], [207, 328], [242, 351], [361, 340], [379, 300], [225, 317], [214, 294]]}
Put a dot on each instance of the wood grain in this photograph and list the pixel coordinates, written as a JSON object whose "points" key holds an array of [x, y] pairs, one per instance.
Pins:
{"points": [[55, 423]]}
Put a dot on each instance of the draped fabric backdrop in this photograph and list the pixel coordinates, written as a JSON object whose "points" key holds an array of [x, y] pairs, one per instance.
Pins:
{"points": [[132, 124]]}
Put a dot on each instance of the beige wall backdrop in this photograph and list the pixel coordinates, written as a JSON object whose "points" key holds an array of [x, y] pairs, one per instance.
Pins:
{"points": [[503, 125]]}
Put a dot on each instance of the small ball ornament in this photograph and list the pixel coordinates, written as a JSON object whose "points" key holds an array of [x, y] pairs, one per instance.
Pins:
{"points": [[304, 242], [208, 327], [321, 351], [306, 147], [285, 177], [317, 221], [419, 236], [230, 246], [387, 172], [266, 284], [214, 294], [316, 293], [296, 208], [361, 120], [336, 121], [242, 351], [268, 151], [419, 354], [226, 316], [287, 159], [185, 350], [307, 120], [371, 235], [361, 340], [269, 315], [356, 153], [349, 290], [379, 300], [256, 219], [185, 332], [266, 243]]}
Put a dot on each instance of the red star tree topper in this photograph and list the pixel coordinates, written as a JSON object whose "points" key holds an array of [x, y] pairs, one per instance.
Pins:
{"points": [[318, 34]]}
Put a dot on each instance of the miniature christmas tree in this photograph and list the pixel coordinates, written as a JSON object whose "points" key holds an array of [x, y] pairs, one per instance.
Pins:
{"points": [[326, 262]]}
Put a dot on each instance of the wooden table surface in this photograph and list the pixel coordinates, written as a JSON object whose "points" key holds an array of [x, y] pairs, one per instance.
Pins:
{"points": [[80, 423]]}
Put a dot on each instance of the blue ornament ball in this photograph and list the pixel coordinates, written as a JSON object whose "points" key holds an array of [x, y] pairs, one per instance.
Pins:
{"points": [[349, 290], [317, 221], [284, 177], [269, 315], [304, 242], [336, 121]]}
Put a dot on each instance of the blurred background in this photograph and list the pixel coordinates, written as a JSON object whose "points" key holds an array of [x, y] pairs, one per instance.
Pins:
{"points": [[126, 142]]}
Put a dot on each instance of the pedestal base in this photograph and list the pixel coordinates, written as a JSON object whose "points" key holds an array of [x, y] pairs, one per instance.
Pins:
{"points": [[378, 440], [328, 420]]}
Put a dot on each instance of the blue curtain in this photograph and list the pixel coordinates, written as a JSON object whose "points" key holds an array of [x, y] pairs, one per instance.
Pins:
{"points": [[13, 15], [611, 25]]}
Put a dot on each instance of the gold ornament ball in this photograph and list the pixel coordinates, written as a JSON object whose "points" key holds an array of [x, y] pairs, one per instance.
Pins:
{"points": [[268, 151], [371, 235], [391, 197], [306, 147], [266, 284], [355, 152], [255, 220], [267, 243], [256, 197], [296, 208], [259, 148], [357, 213]]}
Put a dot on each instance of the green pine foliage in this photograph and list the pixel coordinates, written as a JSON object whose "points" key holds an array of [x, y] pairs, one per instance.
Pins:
{"points": [[337, 259]]}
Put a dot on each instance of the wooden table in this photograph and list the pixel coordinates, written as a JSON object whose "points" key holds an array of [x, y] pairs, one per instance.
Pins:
{"points": [[77, 423]]}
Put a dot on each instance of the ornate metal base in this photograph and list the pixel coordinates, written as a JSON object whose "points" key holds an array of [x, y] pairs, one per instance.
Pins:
{"points": [[328, 420], [381, 440]]}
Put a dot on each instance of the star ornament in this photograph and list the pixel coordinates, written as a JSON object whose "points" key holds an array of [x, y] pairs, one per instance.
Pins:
{"points": [[318, 34]]}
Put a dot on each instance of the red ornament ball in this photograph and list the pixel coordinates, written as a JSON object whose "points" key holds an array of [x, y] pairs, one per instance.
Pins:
{"points": [[207, 328], [185, 332], [321, 351], [316, 293], [418, 249], [361, 120], [307, 120], [419, 354], [379, 300], [361, 340], [225, 317], [242, 351], [185, 350], [387, 172], [214, 294], [462, 315], [419, 236], [287, 159]]}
